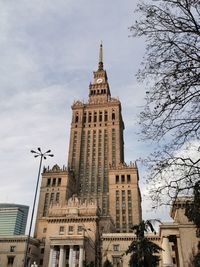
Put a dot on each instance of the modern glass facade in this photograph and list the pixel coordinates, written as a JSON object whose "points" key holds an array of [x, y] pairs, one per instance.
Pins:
{"points": [[13, 219]]}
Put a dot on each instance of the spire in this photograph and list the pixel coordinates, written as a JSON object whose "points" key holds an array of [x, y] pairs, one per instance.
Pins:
{"points": [[101, 57]]}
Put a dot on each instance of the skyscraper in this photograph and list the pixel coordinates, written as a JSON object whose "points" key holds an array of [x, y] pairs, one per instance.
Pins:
{"points": [[97, 146], [96, 138], [13, 218], [97, 191]]}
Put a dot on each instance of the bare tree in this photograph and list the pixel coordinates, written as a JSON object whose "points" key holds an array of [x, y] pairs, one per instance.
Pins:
{"points": [[171, 116]]}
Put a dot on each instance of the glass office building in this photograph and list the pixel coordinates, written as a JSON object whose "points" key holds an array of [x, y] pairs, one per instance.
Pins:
{"points": [[13, 219]]}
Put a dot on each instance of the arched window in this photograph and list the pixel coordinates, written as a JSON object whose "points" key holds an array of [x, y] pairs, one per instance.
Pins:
{"points": [[76, 118]]}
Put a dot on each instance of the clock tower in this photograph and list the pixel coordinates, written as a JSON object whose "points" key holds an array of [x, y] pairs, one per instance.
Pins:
{"points": [[96, 139], [99, 89]]}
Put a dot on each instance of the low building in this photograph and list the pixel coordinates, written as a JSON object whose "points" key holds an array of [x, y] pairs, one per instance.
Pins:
{"points": [[12, 251], [178, 240], [70, 234]]}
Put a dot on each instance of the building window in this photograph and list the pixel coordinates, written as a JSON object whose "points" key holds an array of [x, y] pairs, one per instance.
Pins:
{"points": [[41, 261], [95, 116], [128, 178], [123, 178], [116, 260], [116, 247], [117, 178], [45, 211], [57, 197], [42, 251], [76, 118], [61, 230], [48, 181], [100, 116], [44, 230], [12, 248], [59, 181], [113, 115], [84, 117], [89, 117], [113, 147], [80, 229], [105, 116], [52, 198], [10, 261], [54, 182], [71, 229]]}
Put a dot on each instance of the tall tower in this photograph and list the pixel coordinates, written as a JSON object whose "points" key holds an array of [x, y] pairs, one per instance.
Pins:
{"points": [[98, 192], [96, 139]]}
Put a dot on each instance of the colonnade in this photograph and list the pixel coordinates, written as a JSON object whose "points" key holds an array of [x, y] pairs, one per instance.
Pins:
{"points": [[166, 252], [62, 256]]}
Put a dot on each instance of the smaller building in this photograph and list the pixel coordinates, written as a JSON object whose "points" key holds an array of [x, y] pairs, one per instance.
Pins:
{"points": [[115, 245], [12, 251], [71, 233], [13, 219], [178, 240]]}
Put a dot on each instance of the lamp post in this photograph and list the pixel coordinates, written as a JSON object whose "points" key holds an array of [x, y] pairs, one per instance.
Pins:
{"points": [[42, 156]]}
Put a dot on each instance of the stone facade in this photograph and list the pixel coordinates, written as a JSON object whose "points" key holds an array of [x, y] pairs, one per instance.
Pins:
{"points": [[96, 139], [12, 250], [177, 239], [124, 196], [102, 204], [86, 209], [114, 247], [69, 234]]}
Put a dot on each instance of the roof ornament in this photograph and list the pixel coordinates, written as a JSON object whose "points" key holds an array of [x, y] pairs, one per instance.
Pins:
{"points": [[101, 57]]}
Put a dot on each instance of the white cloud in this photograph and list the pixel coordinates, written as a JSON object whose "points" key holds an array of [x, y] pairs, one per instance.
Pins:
{"points": [[48, 50]]}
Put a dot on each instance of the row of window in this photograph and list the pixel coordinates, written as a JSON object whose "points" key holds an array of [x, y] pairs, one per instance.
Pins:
{"points": [[54, 181], [123, 204], [70, 230], [123, 178], [95, 116], [98, 92], [53, 197], [94, 172]]}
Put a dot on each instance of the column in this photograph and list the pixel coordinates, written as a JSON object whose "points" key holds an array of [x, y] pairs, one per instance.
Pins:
{"points": [[180, 254], [64, 257], [61, 257], [80, 263], [166, 253], [51, 257], [70, 256]]}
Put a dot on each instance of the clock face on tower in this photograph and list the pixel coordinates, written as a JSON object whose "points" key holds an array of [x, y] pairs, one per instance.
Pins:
{"points": [[100, 80]]}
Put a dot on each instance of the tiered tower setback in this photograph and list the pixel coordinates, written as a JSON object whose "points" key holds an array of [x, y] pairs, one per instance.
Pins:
{"points": [[96, 139], [97, 192]]}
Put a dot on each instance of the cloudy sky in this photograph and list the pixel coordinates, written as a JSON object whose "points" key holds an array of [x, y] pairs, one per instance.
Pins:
{"points": [[48, 51]]}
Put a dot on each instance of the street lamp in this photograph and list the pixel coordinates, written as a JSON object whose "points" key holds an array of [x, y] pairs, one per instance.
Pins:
{"points": [[42, 156]]}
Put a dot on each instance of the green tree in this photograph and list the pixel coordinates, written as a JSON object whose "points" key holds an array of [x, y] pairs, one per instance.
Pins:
{"points": [[171, 115], [143, 251]]}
